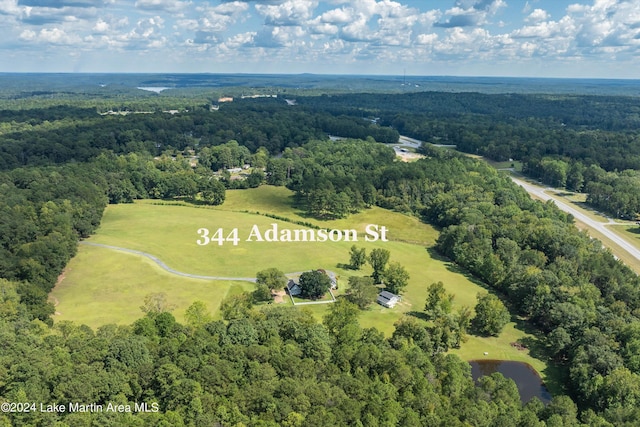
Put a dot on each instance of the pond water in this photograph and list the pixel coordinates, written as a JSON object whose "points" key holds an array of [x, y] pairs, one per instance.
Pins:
{"points": [[526, 378]]}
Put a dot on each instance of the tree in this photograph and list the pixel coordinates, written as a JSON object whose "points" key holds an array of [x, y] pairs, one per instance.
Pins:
{"points": [[362, 292], [358, 257], [272, 278], [255, 178], [212, 191], [266, 280], [341, 314], [491, 315], [156, 303], [439, 302], [236, 306], [396, 278], [260, 158], [378, 259], [314, 284], [197, 314]]}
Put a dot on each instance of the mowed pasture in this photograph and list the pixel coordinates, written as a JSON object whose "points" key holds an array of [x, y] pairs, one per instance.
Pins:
{"points": [[103, 286], [107, 286]]}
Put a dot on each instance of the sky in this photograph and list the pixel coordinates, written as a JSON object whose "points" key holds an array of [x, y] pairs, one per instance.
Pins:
{"points": [[535, 38]]}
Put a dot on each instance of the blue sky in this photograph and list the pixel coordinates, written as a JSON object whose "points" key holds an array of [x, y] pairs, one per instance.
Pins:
{"points": [[535, 38]]}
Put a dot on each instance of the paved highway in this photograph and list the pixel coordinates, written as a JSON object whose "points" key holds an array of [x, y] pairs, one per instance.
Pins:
{"points": [[539, 192]]}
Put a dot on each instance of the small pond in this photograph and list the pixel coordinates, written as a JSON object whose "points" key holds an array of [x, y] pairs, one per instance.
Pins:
{"points": [[526, 378]]}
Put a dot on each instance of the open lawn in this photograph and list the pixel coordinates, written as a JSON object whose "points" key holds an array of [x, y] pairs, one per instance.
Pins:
{"points": [[104, 286], [108, 286], [279, 201]]}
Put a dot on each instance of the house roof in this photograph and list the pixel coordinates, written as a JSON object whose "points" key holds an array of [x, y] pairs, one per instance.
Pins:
{"points": [[387, 295]]}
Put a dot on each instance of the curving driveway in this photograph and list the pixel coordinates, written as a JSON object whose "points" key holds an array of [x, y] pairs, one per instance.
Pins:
{"points": [[183, 274]]}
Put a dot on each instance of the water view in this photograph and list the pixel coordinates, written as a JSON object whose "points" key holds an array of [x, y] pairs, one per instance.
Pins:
{"points": [[527, 380]]}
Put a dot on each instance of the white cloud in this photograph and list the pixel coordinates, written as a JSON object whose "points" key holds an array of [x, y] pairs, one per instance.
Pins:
{"points": [[239, 40], [231, 8], [288, 13], [356, 31], [101, 26], [28, 35], [426, 39], [54, 36], [322, 28], [607, 23], [9, 7], [537, 15], [212, 22], [471, 13], [337, 16]]}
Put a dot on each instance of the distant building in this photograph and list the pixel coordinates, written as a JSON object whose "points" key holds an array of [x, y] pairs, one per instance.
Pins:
{"points": [[225, 99], [387, 299]]}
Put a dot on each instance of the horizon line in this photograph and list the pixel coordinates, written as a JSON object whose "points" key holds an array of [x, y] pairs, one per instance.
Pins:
{"points": [[312, 74]]}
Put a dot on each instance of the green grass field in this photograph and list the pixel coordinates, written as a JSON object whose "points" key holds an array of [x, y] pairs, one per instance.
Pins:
{"points": [[108, 286], [104, 286]]}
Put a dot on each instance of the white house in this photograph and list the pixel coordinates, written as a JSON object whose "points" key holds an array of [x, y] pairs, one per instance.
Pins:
{"points": [[387, 299]]}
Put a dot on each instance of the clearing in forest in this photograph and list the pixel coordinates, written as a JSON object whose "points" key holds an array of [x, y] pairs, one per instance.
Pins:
{"points": [[103, 285]]}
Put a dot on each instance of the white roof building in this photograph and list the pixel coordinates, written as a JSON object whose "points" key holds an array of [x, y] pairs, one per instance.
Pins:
{"points": [[387, 299]]}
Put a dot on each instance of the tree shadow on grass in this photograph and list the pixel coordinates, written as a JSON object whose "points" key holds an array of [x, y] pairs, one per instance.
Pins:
{"points": [[556, 374], [564, 194], [455, 268], [634, 230], [418, 315]]}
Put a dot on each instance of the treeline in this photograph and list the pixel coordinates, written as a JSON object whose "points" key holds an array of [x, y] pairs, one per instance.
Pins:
{"points": [[332, 179], [611, 113], [269, 367], [584, 143], [617, 193], [47, 136], [583, 301], [45, 211]]}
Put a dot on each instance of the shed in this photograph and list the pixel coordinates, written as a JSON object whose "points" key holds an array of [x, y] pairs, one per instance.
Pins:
{"points": [[387, 299]]}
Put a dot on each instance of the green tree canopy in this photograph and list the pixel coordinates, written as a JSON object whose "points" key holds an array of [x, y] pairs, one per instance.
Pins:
{"points": [[491, 315], [439, 302], [362, 292], [197, 314], [378, 259], [314, 284], [266, 280], [396, 278], [357, 257]]}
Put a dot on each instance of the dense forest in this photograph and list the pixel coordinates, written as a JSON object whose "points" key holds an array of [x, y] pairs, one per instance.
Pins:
{"points": [[267, 366], [584, 143]]}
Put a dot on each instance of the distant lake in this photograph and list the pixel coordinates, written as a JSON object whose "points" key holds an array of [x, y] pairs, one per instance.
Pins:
{"points": [[156, 89], [526, 378]]}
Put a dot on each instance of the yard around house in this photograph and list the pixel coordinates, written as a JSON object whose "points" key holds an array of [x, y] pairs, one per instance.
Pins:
{"points": [[104, 286]]}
